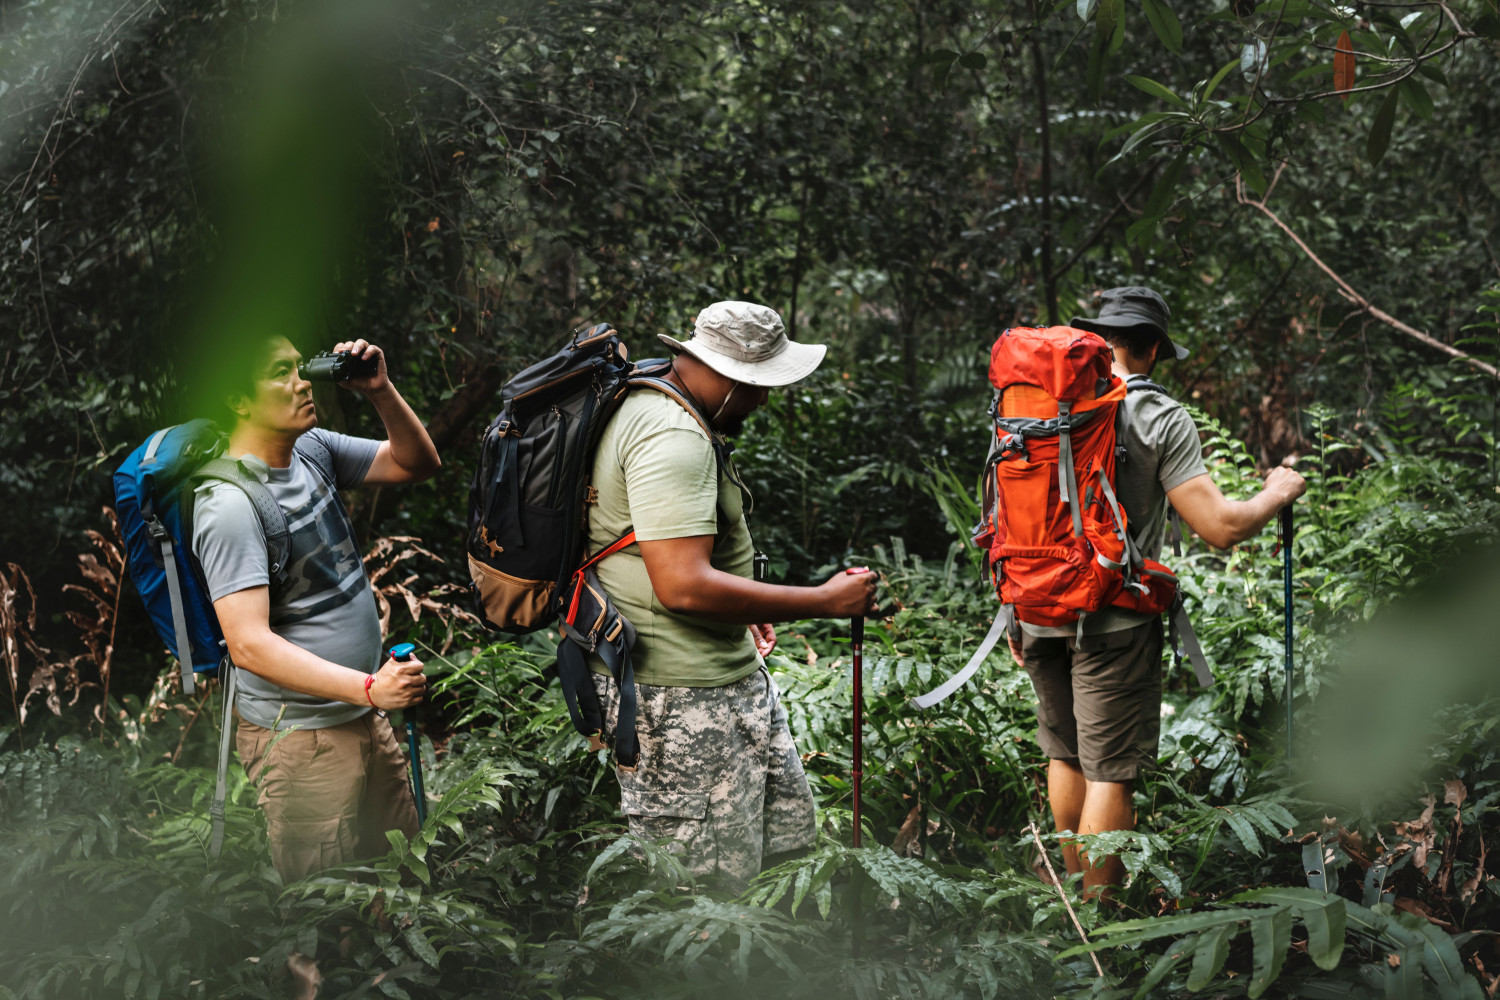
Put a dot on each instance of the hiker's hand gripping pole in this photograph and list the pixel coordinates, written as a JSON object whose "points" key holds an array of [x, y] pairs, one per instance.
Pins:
{"points": [[402, 653]]}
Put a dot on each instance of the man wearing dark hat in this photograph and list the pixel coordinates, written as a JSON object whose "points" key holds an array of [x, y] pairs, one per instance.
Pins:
{"points": [[1099, 699], [718, 776]]}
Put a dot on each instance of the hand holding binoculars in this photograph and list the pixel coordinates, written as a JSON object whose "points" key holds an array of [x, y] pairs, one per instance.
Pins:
{"points": [[337, 366]]}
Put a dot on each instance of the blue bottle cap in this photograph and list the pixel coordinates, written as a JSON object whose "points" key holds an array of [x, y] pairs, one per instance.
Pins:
{"points": [[403, 651]]}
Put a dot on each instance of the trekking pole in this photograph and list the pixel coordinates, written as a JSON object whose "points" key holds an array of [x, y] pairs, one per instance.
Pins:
{"points": [[1286, 580], [857, 649], [401, 653], [857, 643]]}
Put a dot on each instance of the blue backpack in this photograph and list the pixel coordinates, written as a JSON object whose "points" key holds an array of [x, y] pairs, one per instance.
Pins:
{"points": [[154, 490], [153, 494]]}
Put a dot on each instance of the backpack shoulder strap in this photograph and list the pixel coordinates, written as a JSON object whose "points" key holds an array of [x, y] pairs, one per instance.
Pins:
{"points": [[272, 517], [312, 448], [1142, 382], [666, 388], [721, 447]]}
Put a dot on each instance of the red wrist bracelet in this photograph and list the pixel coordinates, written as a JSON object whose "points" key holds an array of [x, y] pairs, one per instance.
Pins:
{"points": [[368, 681]]}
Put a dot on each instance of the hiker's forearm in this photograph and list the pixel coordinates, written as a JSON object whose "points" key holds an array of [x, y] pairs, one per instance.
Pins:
{"points": [[244, 618], [1222, 522], [288, 665], [687, 583], [724, 597], [409, 454]]}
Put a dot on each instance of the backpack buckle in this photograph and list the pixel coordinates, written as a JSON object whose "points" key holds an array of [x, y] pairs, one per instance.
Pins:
{"points": [[156, 529], [590, 495]]}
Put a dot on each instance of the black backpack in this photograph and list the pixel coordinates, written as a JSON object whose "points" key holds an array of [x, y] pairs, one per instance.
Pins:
{"points": [[528, 517]]}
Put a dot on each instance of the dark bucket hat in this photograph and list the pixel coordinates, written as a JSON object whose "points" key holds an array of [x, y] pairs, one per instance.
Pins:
{"points": [[1131, 306]]}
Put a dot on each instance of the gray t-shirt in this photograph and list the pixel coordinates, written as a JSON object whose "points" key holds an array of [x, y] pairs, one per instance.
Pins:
{"points": [[325, 605], [1162, 451]]}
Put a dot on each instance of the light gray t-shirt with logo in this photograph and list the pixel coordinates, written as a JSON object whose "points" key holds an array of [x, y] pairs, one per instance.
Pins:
{"points": [[325, 604], [1162, 451]]}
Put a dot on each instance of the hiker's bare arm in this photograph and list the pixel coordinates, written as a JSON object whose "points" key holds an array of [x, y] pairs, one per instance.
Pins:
{"points": [[686, 582], [245, 616], [1222, 522], [408, 454]]}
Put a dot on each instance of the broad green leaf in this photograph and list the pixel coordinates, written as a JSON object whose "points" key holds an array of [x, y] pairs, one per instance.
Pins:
{"points": [[1216, 79], [1441, 961], [1155, 89], [1098, 64], [1140, 232], [1325, 933], [1108, 14], [972, 60], [1163, 967], [1239, 824], [1416, 96], [1209, 956], [1271, 932], [1164, 22], [1129, 932], [1380, 131]]}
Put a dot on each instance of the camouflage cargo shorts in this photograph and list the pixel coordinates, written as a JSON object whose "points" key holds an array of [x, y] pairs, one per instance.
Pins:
{"points": [[718, 776]]}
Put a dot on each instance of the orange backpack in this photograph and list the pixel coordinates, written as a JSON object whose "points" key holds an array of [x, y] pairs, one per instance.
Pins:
{"points": [[1056, 540]]}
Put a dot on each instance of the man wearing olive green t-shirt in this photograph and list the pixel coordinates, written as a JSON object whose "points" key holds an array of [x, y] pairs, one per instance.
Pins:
{"points": [[718, 776]]}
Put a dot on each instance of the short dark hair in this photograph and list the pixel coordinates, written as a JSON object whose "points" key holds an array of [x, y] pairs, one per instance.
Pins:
{"points": [[1137, 340], [220, 369]]}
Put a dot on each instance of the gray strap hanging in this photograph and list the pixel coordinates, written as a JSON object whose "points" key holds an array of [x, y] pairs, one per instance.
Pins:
{"points": [[226, 731], [1067, 481], [952, 684], [1182, 626], [174, 593]]}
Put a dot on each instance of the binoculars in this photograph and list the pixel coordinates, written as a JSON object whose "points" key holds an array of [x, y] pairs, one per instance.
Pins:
{"points": [[337, 366]]}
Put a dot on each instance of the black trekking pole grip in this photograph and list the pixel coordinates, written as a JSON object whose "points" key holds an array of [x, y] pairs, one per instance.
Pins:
{"points": [[1286, 580], [400, 653]]}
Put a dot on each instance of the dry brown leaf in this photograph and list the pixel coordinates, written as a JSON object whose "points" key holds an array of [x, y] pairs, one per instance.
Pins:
{"points": [[1419, 833], [1454, 792], [1343, 64], [1470, 888], [1406, 904]]}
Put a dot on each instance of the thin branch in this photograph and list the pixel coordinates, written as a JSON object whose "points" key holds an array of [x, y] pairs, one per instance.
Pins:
{"points": [[1056, 884], [1348, 292], [1121, 204]]}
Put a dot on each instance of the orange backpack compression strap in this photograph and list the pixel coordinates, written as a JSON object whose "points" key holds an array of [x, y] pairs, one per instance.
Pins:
{"points": [[624, 541]]}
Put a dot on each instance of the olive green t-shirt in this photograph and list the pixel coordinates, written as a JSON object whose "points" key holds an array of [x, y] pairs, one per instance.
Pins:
{"points": [[655, 472]]}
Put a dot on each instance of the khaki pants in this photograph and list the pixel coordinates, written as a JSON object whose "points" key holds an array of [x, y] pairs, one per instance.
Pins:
{"points": [[329, 795]]}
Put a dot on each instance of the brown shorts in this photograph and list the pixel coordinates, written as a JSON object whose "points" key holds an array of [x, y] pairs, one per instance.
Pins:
{"points": [[1099, 705], [329, 795]]}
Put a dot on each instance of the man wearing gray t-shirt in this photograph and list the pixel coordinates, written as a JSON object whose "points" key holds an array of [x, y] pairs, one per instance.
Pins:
{"points": [[330, 775], [1099, 698]]}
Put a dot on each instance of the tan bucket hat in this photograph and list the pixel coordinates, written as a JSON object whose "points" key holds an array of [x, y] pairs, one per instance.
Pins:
{"points": [[746, 342]]}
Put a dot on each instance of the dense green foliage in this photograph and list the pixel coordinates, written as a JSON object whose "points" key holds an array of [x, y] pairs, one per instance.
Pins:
{"points": [[464, 182]]}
